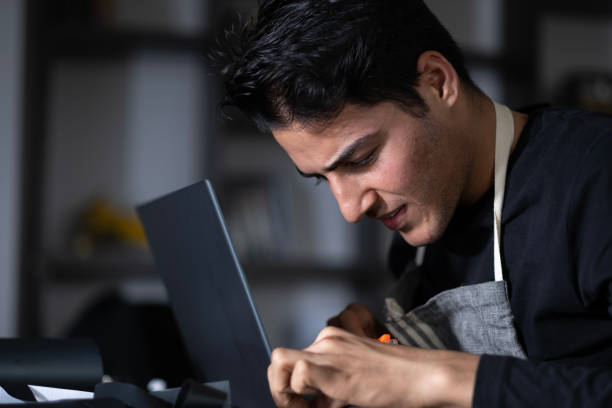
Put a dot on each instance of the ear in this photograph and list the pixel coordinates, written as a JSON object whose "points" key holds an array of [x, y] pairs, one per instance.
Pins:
{"points": [[438, 79]]}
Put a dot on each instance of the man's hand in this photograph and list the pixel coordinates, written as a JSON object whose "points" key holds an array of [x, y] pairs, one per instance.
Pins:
{"points": [[342, 369], [357, 319]]}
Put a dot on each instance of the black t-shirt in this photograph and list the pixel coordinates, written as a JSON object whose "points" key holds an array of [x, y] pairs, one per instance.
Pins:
{"points": [[557, 257]]}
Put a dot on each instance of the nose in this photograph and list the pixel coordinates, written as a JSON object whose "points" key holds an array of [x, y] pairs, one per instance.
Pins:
{"points": [[353, 198]]}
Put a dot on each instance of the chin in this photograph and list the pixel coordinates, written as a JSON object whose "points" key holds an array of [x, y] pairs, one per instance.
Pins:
{"points": [[422, 234]]}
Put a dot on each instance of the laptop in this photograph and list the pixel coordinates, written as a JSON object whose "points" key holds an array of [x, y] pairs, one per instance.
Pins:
{"points": [[208, 292]]}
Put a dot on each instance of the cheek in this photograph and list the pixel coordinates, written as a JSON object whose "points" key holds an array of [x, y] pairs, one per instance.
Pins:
{"points": [[398, 172]]}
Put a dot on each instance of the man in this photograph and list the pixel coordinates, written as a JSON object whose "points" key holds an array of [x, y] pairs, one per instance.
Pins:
{"points": [[510, 305]]}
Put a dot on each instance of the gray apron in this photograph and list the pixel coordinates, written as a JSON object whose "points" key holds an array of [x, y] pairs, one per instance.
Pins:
{"points": [[473, 318]]}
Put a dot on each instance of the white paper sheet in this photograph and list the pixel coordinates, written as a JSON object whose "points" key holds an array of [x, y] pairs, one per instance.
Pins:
{"points": [[6, 398], [53, 394]]}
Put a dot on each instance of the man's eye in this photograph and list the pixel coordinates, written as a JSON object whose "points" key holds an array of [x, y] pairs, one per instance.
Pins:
{"points": [[363, 162]]}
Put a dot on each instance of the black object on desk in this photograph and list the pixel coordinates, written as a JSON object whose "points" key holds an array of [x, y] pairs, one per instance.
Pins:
{"points": [[94, 403], [62, 363], [190, 395]]}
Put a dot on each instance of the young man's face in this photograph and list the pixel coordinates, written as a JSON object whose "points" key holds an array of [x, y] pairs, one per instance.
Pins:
{"points": [[385, 163]]}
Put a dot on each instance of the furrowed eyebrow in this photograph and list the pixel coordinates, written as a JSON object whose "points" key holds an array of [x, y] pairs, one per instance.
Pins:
{"points": [[348, 151], [343, 156]]}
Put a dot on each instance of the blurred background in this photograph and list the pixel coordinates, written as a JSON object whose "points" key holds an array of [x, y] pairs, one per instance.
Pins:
{"points": [[105, 104]]}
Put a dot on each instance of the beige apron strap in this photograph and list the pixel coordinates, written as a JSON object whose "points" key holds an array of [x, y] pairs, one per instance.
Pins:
{"points": [[504, 136]]}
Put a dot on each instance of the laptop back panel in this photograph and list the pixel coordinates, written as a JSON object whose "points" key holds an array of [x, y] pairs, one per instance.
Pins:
{"points": [[208, 292]]}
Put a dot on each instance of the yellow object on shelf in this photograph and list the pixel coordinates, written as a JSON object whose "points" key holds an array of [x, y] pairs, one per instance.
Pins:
{"points": [[101, 221]]}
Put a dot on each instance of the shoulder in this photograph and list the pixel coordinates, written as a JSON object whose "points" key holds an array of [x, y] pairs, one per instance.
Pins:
{"points": [[562, 159], [566, 189], [558, 143], [574, 148], [571, 126], [589, 136]]}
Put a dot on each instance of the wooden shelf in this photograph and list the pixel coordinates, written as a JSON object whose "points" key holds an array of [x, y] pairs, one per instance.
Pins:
{"points": [[74, 270], [95, 43]]}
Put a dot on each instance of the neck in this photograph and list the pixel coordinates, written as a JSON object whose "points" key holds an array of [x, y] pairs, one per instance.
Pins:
{"points": [[481, 126]]}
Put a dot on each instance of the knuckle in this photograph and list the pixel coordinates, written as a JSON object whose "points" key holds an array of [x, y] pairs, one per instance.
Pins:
{"points": [[329, 331], [278, 356], [328, 344], [302, 368]]}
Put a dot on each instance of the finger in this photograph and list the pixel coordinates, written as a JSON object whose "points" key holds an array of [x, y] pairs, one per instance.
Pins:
{"points": [[290, 400], [280, 374], [323, 401], [299, 379], [308, 375], [280, 370]]}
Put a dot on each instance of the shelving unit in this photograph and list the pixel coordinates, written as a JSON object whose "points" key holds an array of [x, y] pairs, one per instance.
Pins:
{"points": [[79, 39], [66, 58], [319, 245]]}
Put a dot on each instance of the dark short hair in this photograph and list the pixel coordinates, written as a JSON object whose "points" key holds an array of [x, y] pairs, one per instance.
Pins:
{"points": [[303, 61]]}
